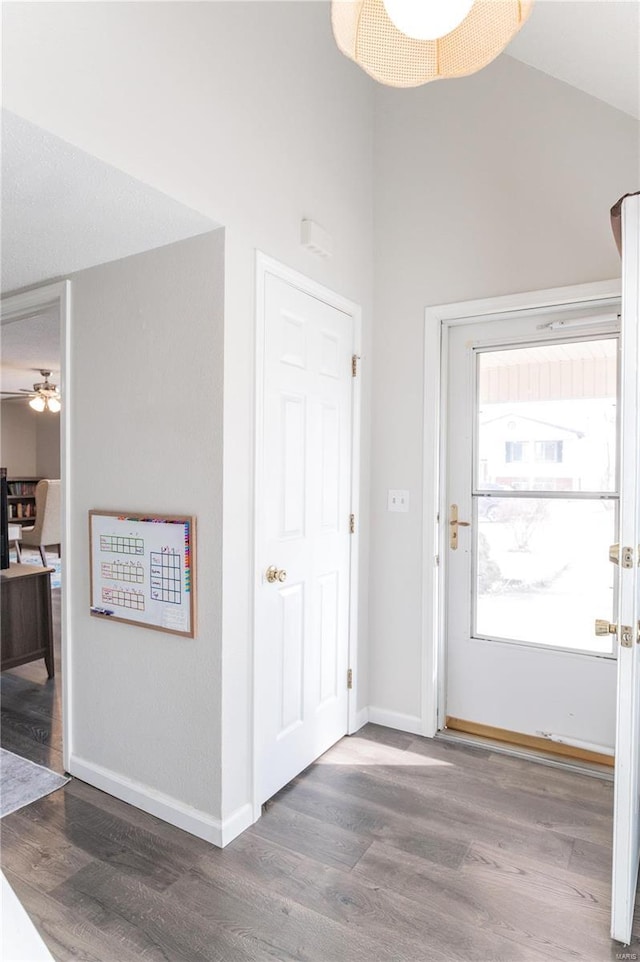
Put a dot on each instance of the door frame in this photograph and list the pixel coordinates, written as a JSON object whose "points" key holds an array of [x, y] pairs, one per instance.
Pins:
{"points": [[265, 266], [14, 308], [438, 320]]}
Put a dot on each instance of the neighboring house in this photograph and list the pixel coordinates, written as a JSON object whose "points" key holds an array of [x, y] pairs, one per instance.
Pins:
{"points": [[521, 452]]}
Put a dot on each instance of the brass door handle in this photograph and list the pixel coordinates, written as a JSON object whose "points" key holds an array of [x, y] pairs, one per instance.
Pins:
{"points": [[274, 574], [454, 524], [625, 632]]}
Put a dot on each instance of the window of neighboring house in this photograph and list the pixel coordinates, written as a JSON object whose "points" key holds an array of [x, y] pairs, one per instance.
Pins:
{"points": [[548, 451], [515, 451]]}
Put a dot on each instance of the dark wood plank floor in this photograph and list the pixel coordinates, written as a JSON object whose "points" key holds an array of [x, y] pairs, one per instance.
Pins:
{"points": [[31, 706], [391, 848]]}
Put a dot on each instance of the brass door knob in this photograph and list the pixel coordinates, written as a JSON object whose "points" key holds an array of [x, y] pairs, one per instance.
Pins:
{"points": [[605, 628], [274, 574]]}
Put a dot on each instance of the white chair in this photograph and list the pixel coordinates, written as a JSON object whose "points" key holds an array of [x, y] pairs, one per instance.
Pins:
{"points": [[46, 530], [15, 537]]}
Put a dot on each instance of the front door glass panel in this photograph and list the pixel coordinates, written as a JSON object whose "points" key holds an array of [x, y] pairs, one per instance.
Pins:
{"points": [[546, 493]]}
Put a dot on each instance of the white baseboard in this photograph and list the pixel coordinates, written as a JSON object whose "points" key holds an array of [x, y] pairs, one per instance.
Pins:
{"points": [[236, 823], [361, 718], [163, 806], [393, 719]]}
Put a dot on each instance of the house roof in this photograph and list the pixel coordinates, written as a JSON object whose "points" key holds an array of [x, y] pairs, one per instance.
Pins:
{"points": [[547, 424]]}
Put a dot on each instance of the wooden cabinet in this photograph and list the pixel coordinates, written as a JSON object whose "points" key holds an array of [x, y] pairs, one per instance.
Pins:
{"points": [[21, 500], [25, 611]]}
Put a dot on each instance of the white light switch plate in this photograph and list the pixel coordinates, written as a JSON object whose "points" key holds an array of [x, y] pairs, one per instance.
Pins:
{"points": [[398, 501]]}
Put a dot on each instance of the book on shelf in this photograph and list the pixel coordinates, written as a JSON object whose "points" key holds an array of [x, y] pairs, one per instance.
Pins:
{"points": [[22, 489], [21, 511]]}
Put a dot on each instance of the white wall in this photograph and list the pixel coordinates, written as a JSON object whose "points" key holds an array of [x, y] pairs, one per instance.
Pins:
{"points": [[498, 183], [18, 439], [146, 435], [248, 113], [29, 441], [48, 445]]}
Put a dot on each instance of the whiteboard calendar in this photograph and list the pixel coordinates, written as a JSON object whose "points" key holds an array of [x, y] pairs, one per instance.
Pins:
{"points": [[142, 570]]}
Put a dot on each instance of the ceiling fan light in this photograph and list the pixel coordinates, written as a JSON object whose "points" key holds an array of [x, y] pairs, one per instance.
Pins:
{"points": [[364, 32], [53, 404], [37, 403], [428, 20]]}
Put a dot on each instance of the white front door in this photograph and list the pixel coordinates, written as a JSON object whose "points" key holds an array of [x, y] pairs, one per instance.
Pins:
{"points": [[626, 817], [303, 533], [533, 471]]}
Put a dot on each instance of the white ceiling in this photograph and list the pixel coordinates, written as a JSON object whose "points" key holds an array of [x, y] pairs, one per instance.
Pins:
{"points": [[29, 345], [63, 211], [591, 44]]}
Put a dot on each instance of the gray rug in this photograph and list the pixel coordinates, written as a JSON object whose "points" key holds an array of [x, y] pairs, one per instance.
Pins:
{"points": [[23, 782]]}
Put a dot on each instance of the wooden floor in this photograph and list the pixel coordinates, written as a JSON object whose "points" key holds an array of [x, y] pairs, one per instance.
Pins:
{"points": [[32, 706], [391, 848]]}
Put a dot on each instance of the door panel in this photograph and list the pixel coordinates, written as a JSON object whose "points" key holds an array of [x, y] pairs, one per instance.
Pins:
{"points": [[292, 506], [291, 650], [330, 466], [302, 620], [533, 470], [329, 635]]}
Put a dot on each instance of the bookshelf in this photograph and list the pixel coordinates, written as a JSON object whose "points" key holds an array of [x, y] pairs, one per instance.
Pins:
{"points": [[21, 500]]}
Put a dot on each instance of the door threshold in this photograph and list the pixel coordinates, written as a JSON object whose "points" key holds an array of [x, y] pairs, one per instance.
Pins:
{"points": [[541, 757]]}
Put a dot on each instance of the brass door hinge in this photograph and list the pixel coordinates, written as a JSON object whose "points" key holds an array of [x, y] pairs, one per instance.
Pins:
{"points": [[352, 524], [354, 365], [622, 557], [350, 678], [626, 636]]}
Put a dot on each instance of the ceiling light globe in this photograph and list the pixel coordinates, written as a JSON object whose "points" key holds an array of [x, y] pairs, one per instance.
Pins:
{"points": [[37, 403], [53, 404], [427, 19]]}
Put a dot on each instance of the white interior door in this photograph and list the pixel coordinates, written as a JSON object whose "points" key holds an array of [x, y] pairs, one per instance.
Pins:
{"points": [[303, 536], [533, 470], [626, 834]]}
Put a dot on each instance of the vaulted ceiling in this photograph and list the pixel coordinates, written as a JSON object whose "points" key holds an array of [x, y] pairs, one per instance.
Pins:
{"points": [[593, 45], [51, 187]]}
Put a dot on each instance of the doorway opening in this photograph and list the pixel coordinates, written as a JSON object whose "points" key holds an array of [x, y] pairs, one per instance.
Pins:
{"points": [[35, 323]]}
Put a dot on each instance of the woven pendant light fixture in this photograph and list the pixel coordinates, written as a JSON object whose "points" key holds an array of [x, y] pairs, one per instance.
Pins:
{"points": [[364, 32]]}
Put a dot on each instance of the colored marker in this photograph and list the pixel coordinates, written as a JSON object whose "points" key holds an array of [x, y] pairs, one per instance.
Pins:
{"points": [[101, 611]]}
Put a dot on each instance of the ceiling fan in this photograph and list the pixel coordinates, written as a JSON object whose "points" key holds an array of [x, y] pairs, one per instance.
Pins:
{"points": [[45, 395]]}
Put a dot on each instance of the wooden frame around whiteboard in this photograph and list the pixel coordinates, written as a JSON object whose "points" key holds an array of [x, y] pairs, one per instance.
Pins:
{"points": [[133, 517]]}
